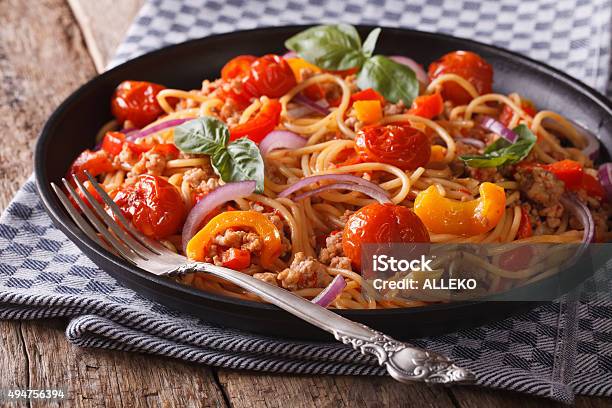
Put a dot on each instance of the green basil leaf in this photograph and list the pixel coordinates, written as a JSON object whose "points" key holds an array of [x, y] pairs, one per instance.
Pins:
{"points": [[370, 42], [205, 135], [392, 80], [333, 47], [240, 161], [503, 152]]}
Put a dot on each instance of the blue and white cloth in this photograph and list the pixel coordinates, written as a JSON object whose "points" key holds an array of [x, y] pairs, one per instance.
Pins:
{"points": [[556, 350]]}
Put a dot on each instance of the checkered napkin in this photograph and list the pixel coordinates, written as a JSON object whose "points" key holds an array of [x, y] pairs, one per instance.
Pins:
{"points": [[556, 350]]}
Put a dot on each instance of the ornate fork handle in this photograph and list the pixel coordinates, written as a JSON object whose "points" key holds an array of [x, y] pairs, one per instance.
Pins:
{"points": [[405, 363]]}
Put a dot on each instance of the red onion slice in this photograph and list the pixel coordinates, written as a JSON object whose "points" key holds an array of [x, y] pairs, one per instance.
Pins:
{"points": [[592, 149], [331, 292], [472, 142], [290, 54], [605, 178], [315, 106], [332, 177], [499, 128], [299, 112], [280, 139], [413, 65], [212, 200], [375, 194], [137, 134], [580, 210]]}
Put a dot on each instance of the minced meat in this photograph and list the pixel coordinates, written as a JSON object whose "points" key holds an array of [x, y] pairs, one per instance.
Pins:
{"points": [[267, 277], [201, 180], [249, 241], [304, 272], [333, 248], [539, 185]]}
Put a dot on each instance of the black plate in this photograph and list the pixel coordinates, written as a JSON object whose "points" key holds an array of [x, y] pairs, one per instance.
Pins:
{"points": [[73, 125]]}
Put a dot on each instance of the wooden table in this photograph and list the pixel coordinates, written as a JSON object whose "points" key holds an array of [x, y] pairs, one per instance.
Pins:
{"points": [[47, 49]]}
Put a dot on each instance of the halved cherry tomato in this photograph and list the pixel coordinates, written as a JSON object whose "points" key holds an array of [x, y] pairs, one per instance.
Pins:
{"points": [[235, 258], [524, 230], [136, 101], [263, 123], [506, 114], [399, 145], [367, 95], [153, 205], [95, 163], [469, 66], [381, 224], [271, 76], [237, 67], [427, 106]]}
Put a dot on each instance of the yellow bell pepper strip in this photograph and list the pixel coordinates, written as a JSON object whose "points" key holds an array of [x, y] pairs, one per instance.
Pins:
{"points": [[368, 112], [443, 215], [438, 153], [197, 247]]}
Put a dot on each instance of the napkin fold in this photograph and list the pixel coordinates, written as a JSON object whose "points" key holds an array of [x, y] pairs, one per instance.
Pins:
{"points": [[556, 350]]}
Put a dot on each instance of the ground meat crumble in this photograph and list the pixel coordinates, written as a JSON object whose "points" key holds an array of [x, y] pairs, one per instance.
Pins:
{"points": [[539, 185], [304, 272], [268, 277]]}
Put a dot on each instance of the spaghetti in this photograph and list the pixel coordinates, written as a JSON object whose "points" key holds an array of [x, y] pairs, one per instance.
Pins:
{"points": [[338, 124]]}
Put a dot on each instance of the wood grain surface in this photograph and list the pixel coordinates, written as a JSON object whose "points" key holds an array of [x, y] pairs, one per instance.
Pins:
{"points": [[48, 48]]}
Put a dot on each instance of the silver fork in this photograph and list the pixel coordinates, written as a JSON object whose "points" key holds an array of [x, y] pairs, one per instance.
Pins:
{"points": [[403, 362]]}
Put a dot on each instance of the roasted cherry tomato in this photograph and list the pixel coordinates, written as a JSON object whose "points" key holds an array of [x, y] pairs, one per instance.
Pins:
{"points": [[469, 66], [136, 101], [271, 76], [153, 205], [381, 224], [235, 258], [259, 126], [83, 197], [93, 162], [237, 67], [399, 145]]}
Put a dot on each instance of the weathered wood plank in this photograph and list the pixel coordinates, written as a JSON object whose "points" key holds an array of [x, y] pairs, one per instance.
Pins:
{"points": [[104, 23], [94, 377], [42, 58], [248, 389], [13, 357]]}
